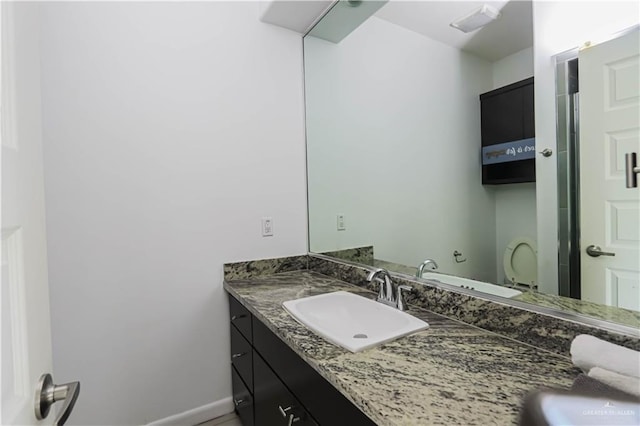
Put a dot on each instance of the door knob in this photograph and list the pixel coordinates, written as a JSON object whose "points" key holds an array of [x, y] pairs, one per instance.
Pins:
{"points": [[595, 251], [47, 393]]}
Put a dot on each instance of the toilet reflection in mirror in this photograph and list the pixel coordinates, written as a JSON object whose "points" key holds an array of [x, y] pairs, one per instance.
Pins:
{"points": [[394, 148], [520, 262]]}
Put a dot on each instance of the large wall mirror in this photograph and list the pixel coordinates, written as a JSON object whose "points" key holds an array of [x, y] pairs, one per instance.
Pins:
{"points": [[394, 146]]}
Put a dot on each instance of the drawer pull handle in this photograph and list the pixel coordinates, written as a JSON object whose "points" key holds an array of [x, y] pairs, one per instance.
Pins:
{"points": [[235, 317], [283, 411], [239, 402], [293, 419], [238, 355]]}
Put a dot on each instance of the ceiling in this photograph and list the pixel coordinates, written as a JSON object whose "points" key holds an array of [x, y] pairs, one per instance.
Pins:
{"points": [[512, 32]]}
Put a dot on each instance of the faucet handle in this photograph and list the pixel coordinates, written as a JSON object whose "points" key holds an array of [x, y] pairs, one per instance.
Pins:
{"points": [[381, 283], [400, 301]]}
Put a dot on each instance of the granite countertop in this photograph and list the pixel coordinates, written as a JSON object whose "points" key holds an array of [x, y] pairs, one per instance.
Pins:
{"points": [[596, 310], [452, 373], [613, 314]]}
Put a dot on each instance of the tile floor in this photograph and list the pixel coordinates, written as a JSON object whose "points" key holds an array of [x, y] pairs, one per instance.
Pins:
{"points": [[226, 420]]}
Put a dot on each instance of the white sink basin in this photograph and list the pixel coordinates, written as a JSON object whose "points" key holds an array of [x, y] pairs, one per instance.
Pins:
{"points": [[351, 321]]}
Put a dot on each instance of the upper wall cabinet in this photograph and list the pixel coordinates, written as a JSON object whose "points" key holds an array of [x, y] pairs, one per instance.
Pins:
{"points": [[508, 134]]}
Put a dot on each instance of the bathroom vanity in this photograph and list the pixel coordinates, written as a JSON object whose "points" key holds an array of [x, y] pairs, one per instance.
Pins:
{"points": [[451, 373], [274, 384]]}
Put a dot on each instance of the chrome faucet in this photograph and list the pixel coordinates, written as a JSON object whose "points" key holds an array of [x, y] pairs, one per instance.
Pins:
{"points": [[385, 294], [431, 262]]}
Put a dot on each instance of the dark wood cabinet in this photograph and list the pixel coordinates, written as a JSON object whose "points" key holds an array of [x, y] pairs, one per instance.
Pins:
{"points": [[507, 116], [313, 391], [271, 383], [242, 399], [241, 318], [274, 404], [242, 357]]}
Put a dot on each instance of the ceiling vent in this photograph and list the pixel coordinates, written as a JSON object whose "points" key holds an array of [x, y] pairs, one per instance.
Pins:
{"points": [[477, 19]]}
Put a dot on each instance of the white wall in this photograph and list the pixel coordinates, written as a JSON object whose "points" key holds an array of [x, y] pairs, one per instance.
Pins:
{"points": [[393, 123], [170, 129], [558, 27], [513, 68], [515, 203]]}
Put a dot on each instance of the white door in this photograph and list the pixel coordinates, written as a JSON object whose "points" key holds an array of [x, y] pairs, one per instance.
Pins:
{"points": [[26, 334], [609, 85]]}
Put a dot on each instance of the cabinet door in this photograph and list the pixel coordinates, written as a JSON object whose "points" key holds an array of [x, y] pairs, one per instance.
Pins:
{"points": [[529, 111], [241, 318], [242, 399], [241, 355], [508, 116], [274, 405], [503, 117], [311, 389]]}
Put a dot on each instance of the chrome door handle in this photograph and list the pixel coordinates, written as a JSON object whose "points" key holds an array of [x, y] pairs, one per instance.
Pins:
{"points": [[596, 251], [631, 170], [47, 394]]}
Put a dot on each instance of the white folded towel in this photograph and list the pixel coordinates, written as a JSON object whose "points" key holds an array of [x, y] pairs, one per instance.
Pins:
{"points": [[588, 352], [628, 384]]}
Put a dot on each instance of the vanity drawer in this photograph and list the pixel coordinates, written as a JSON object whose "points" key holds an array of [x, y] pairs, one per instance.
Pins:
{"points": [[311, 389], [242, 399], [274, 404], [242, 357], [241, 318]]}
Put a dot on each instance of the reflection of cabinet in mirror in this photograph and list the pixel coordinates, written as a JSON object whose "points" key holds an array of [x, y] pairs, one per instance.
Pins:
{"points": [[507, 117]]}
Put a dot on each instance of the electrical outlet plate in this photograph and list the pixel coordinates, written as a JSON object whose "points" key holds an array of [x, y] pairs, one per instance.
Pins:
{"points": [[267, 227], [342, 226]]}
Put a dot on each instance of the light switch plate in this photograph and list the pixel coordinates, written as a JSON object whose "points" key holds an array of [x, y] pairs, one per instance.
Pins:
{"points": [[267, 227]]}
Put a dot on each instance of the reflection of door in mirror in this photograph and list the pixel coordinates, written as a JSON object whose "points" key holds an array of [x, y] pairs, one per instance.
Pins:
{"points": [[610, 212]]}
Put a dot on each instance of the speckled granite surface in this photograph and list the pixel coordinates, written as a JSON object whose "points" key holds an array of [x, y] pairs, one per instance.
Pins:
{"points": [[395, 267], [362, 255], [544, 331], [451, 373], [254, 268], [365, 256], [595, 310], [539, 330]]}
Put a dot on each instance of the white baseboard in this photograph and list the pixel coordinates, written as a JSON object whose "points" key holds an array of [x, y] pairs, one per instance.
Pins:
{"points": [[198, 414]]}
